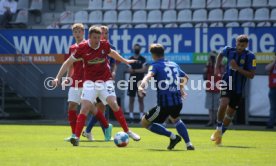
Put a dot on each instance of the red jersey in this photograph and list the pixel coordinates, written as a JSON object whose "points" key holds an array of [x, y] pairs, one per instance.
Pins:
{"points": [[272, 77], [96, 63], [77, 70]]}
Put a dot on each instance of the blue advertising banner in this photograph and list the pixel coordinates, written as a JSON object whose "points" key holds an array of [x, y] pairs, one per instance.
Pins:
{"points": [[180, 43]]}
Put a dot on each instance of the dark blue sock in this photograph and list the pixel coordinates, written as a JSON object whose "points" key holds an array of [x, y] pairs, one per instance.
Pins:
{"points": [[219, 124], [224, 128], [93, 120], [182, 130], [159, 129], [106, 115]]}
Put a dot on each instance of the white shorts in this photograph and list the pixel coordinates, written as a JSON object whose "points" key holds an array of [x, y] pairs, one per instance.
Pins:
{"points": [[92, 90], [74, 95]]}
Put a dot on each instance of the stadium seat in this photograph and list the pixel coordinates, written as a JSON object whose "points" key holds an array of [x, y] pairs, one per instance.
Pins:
{"points": [[183, 4], [232, 24], [53, 25], [138, 4], [139, 16], [154, 16], [95, 17], [112, 26], [246, 14], [110, 16], [36, 5], [169, 16], [22, 4], [66, 17], [272, 3], [81, 17], [141, 26], [248, 24], [126, 26], [259, 3], [273, 15], [184, 16], [243, 3], [198, 4], [186, 25], [124, 4], [262, 14], [213, 4], [168, 4], [171, 25], [66, 26], [48, 19], [156, 26], [231, 15], [215, 15], [228, 3], [95, 5], [153, 4], [109, 4], [216, 24], [264, 24], [200, 15], [22, 17], [125, 16], [199, 25]]}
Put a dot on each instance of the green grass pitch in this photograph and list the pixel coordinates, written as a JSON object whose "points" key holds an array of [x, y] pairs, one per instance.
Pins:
{"points": [[34, 145]]}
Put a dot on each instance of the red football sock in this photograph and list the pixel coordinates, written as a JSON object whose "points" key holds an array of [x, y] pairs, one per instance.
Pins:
{"points": [[100, 117], [72, 118], [121, 119], [80, 124]]}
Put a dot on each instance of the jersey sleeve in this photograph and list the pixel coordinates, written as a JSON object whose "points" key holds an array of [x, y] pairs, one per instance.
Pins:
{"points": [[153, 69], [75, 53], [181, 72], [251, 63], [225, 51]]}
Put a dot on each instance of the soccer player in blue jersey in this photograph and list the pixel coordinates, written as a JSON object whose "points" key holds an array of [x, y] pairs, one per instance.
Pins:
{"points": [[170, 81], [241, 65], [100, 105]]}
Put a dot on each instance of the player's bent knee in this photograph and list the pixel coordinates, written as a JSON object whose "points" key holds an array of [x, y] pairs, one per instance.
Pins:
{"points": [[72, 106], [112, 102]]}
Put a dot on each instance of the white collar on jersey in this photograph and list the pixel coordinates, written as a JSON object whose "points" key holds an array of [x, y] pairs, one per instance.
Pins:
{"points": [[94, 48]]}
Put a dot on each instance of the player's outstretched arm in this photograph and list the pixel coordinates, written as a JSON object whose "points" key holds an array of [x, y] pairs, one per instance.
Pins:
{"points": [[217, 65], [64, 68], [141, 88], [183, 81], [115, 55]]}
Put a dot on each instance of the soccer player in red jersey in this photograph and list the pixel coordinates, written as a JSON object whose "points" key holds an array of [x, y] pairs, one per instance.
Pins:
{"points": [[97, 81], [101, 105], [76, 74]]}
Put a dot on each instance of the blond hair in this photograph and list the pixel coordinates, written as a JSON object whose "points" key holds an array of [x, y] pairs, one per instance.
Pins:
{"points": [[77, 26]]}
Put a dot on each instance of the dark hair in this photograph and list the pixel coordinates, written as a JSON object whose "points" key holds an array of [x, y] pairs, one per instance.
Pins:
{"points": [[157, 49], [242, 38], [95, 29]]}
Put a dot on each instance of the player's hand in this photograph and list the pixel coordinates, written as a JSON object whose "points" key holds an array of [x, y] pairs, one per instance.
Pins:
{"points": [[141, 92], [130, 61], [234, 65], [183, 94], [55, 82]]}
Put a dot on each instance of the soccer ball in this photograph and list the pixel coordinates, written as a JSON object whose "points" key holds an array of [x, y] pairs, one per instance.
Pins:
{"points": [[121, 139]]}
